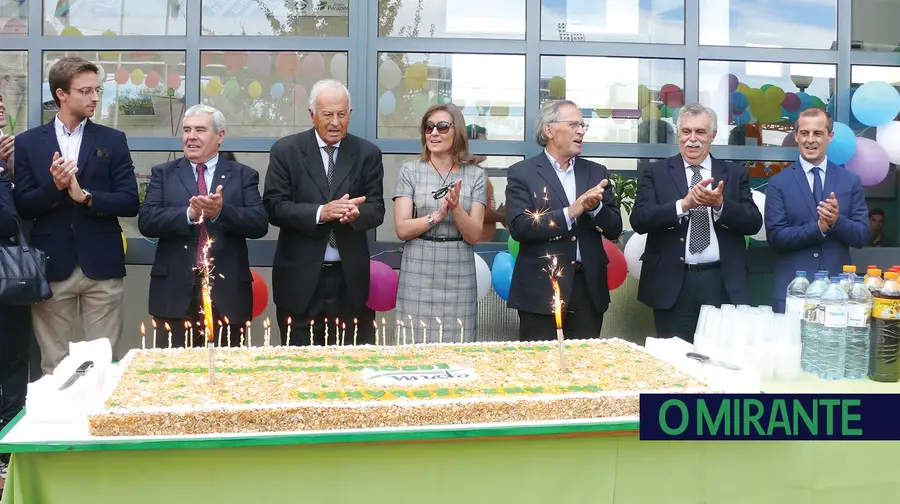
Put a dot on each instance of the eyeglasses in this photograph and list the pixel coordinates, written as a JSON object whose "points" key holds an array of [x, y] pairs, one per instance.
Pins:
{"points": [[88, 91], [442, 127], [574, 124]]}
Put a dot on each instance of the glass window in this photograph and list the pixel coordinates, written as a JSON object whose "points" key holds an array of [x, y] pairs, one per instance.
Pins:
{"points": [[860, 75], [143, 91], [107, 17], [281, 19], [801, 24], [629, 100], [13, 92], [874, 25], [647, 21], [266, 94], [757, 102], [489, 88], [452, 19], [14, 18]]}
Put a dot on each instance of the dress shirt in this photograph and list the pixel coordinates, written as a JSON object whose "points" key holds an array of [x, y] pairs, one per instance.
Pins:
{"points": [[567, 179], [208, 176], [711, 253], [331, 254], [807, 169], [69, 141]]}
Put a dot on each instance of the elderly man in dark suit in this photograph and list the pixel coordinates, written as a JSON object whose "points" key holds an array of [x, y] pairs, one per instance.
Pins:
{"points": [[695, 211], [324, 190], [559, 207], [75, 178], [200, 197]]}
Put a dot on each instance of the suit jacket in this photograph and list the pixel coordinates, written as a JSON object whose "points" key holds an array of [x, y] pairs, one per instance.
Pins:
{"points": [[295, 188], [67, 232], [527, 184], [792, 228], [164, 216], [661, 184], [9, 226]]}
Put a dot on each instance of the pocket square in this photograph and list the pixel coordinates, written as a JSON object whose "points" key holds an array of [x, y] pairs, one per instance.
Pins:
{"points": [[101, 152]]}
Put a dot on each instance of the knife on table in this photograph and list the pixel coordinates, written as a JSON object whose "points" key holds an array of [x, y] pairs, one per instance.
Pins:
{"points": [[81, 371], [708, 360]]}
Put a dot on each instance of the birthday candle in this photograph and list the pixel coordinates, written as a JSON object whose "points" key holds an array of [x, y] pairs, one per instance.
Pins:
{"points": [[242, 338], [288, 339], [424, 331], [153, 322], [143, 337], [228, 328], [220, 333], [326, 333], [375, 324], [440, 330], [462, 331], [337, 331], [311, 323], [383, 332], [249, 327], [355, 330], [268, 327], [403, 332], [412, 330], [169, 329], [343, 333]]}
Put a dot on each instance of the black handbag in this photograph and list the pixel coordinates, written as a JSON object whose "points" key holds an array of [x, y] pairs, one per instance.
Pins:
{"points": [[23, 272]]}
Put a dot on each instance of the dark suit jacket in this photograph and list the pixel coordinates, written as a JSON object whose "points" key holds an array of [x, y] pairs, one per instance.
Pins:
{"points": [[9, 226], [527, 183], [662, 184], [792, 224], [295, 188], [67, 232], [163, 216]]}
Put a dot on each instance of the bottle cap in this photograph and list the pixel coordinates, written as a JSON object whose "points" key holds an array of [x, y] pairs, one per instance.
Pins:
{"points": [[890, 275], [801, 273], [849, 268], [872, 266], [835, 279], [873, 270]]}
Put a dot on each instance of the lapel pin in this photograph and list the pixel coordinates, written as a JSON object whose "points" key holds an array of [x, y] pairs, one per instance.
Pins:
{"points": [[223, 176]]}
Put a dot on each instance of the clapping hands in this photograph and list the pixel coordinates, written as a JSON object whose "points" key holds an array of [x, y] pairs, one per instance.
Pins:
{"points": [[207, 207], [701, 195], [829, 211], [589, 200]]}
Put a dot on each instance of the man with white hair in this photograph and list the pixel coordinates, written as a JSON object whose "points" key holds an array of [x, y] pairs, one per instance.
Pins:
{"points": [[202, 196], [324, 190], [695, 211]]}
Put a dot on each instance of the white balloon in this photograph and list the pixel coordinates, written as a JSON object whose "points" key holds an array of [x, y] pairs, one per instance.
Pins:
{"points": [[888, 136], [483, 276], [634, 249], [760, 199], [339, 67], [387, 104], [389, 74]]}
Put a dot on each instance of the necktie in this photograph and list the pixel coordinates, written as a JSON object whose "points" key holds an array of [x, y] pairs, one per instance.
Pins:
{"points": [[817, 184], [699, 220], [329, 149], [202, 191]]}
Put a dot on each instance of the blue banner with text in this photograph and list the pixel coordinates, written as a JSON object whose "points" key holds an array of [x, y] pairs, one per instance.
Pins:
{"points": [[775, 417]]}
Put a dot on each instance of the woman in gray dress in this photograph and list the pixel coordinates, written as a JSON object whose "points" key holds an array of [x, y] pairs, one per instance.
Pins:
{"points": [[438, 212]]}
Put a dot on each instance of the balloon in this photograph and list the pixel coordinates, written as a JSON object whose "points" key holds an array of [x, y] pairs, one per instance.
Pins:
{"points": [[387, 104], [760, 199], [775, 95], [482, 276], [214, 87], [871, 162], [671, 95], [70, 31], [254, 89], [420, 103], [260, 294], [234, 60], [743, 88], [501, 274], [634, 249], [121, 75], [888, 136], [617, 269], [152, 79], [300, 95], [389, 74], [416, 76], [124, 244], [843, 145], [805, 100], [650, 113], [338, 67], [287, 65], [314, 66], [513, 246], [174, 81], [875, 103], [277, 90], [259, 62], [383, 284], [137, 76], [557, 87], [232, 89], [791, 102], [739, 102]]}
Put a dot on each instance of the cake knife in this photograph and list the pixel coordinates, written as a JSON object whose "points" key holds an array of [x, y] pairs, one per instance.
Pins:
{"points": [[705, 358], [81, 371]]}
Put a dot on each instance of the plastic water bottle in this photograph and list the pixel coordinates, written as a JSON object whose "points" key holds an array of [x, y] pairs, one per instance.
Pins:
{"points": [[812, 323], [795, 300], [859, 313], [873, 280], [833, 334], [850, 270]]}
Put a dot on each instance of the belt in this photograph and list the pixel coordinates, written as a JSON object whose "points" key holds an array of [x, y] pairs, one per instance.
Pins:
{"points": [[328, 264], [703, 266], [441, 238]]}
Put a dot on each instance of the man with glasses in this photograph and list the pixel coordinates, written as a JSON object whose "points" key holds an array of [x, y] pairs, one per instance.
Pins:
{"points": [[75, 178], [559, 208]]}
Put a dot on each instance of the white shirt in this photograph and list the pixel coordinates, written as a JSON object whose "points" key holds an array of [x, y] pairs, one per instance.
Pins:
{"points": [[567, 179], [810, 177], [69, 141], [331, 254], [208, 176], [711, 253]]}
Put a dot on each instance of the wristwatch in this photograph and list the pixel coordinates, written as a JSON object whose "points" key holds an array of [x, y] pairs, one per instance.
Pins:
{"points": [[431, 220], [87, 198]]}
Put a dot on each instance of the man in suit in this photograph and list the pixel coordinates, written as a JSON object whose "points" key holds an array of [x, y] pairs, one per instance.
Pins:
{"points": [[324, 190], [695, 211], [815, 209], [559, 208], [75, 178], [201, 197]]}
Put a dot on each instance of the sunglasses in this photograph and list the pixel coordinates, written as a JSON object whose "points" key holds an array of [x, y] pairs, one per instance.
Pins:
{"points": [[440, 193], [442, 127]]}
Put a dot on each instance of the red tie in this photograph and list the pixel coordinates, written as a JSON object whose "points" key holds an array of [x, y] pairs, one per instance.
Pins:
{"points": [[202, 191]]}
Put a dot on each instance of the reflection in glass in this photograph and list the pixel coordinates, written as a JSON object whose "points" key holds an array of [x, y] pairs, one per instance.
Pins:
{"points": [[452, 19], [489, 88], [802, 24], [143, 91], [14, 92], [874, 25], [145, 17], [14, 18], [859, 75], [758, 102], [265, 94], [653, 21], [280, 19], [629, 100]]}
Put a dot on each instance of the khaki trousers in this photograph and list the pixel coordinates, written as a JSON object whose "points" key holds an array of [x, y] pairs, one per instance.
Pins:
{"points": [[98, 302]]}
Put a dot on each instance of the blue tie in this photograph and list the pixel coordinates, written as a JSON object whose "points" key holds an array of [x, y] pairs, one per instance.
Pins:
{"points": [[817, 184]]}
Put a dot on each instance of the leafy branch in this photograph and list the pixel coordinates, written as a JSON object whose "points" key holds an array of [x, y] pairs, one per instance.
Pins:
{"points": [[625, 191]]}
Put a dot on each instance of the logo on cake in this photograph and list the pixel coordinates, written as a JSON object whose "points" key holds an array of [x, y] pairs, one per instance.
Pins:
{"points": [[418, 377]]}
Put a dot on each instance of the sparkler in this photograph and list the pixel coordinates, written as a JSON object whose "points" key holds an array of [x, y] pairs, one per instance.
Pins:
{"points": [[355, 331], [555, 272], [206, 267]]}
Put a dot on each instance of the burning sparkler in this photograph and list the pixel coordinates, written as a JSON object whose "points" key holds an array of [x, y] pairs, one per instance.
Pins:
{"points": [[555, 273], [206, 267]]}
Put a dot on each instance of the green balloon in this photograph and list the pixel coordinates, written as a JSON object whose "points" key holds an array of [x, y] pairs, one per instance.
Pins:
{"points": [[513, 247], [764, 87], [747, 242]]}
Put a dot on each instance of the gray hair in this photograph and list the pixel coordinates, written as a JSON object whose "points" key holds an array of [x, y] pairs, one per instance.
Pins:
{"points": [[218, 118], [548, 113], [322, 85], [696, 109]]}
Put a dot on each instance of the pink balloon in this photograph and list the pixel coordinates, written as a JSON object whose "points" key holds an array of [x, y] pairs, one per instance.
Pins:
{"points": [[871, 162], [383, 284], [314, 66], [791, 102], [300, 95]]}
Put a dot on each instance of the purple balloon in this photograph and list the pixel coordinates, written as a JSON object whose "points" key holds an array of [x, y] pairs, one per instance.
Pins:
{"points": [[383, 284], [871, 162]]}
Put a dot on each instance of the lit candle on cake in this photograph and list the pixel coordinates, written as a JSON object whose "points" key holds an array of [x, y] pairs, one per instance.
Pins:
{"points": [[440, 330], [383, 332], [343, 333], [169, 330], [267, 336], [326, 332], [403, 333], [242, 338], [462, 331], [337, 332], [220, 332], [287, 341], [424, 332], [311, 324], [153, 323], [412, 330], [249, 341], [188, 327], [375, 324], [143, 337], [355, 331], [228, 331], [557, 311]]}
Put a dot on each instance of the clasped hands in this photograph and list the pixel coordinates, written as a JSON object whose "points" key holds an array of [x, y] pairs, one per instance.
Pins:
{"points": [[7, 146], [207, 207], [63, 171], [702, 196], [450, 202], [828, 211], [589, 200], [344, 210]]}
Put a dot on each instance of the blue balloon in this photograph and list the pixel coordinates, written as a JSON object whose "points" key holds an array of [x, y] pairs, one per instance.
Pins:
{"points": [[875, 103], [843, 145], [805, 100], [739, 102], [742, 118], [277, 90], [501, 274]]}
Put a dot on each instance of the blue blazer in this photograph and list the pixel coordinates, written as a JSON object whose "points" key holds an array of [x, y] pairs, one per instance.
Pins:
{"points": [[793, 232], [67, 232]]}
